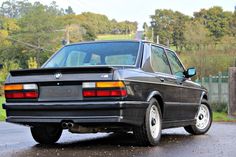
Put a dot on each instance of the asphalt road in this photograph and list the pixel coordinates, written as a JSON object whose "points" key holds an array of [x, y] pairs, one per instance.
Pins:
{"points": [[16, 141]]}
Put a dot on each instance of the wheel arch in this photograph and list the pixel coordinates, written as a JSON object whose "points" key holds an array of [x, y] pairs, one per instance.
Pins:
{"points": [[157, 95], [203, 96]]}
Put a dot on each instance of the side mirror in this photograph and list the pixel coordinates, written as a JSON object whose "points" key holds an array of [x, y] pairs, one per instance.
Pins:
{"points": [[1, 66], [190, 72]]}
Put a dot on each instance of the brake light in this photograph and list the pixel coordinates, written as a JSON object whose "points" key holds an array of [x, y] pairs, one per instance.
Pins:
{"points": [[103, 93], [21, 91], [33, 94], [118, 93], [104, 89], [15, 95], [89, 93], [20, 95]]}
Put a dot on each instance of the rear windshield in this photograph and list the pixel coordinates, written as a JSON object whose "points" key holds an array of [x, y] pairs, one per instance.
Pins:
{"points": [[90, 54]]}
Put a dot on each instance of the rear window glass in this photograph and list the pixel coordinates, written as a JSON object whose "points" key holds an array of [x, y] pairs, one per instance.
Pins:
{"points": [[90, 54]]}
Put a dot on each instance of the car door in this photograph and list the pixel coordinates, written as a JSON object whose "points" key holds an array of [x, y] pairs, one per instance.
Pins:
{"points": [[168, 87], [187, 107]]}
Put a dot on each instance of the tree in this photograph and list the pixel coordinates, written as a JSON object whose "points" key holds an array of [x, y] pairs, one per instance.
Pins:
{"points": [[179, 29], [99, 23], [33, 30], [90, 33], [164, 20], [69, 10], [14, 9], [232, 24], [38, 28], [7, 66], [216, 20], [169, 26], [196, 35], [8, 26]]}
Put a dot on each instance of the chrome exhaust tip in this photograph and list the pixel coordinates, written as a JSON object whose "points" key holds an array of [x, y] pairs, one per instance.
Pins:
{"points": [[64, 125], [70, 125]]}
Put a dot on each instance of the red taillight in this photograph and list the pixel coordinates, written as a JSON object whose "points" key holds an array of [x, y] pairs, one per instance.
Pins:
{"points": [[22, 95], [104, 89], [15, 95], [118, 93], [105, 93], [89, 93], [31, 95], [21, 91]]}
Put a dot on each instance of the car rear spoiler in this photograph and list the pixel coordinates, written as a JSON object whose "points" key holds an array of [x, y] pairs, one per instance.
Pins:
{"points": [[64, 70]]}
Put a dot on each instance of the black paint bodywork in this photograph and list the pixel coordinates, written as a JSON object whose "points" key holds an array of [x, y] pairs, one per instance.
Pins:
{"points": [[179, 99]]}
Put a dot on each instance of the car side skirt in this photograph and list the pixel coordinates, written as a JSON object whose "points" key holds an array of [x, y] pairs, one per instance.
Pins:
{"points": [[179, 123]]}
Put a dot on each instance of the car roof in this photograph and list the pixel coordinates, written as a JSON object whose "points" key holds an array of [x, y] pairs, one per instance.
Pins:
{"points": [[109, 41]]}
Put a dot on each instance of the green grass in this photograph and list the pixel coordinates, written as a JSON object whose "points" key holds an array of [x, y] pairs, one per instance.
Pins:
{"points": [[222, 117], [116, 37], [2, 112]]}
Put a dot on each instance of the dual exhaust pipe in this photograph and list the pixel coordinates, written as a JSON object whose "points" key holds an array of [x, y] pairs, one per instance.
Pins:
{"points": [[67, 125]]}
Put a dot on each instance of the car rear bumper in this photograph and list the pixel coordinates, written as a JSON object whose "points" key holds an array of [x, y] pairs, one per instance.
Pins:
{"points": [[118, 112]]}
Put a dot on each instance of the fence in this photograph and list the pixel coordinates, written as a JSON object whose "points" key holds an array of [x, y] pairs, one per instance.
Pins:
{"points": [[217, 87]]}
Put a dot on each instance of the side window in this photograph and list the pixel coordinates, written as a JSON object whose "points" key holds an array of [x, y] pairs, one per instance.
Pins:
{"points": [[159, 60], [175, 64], [122, 59]]}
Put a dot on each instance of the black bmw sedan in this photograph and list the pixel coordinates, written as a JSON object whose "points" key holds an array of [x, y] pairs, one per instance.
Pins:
{"points": [[108, 86]]}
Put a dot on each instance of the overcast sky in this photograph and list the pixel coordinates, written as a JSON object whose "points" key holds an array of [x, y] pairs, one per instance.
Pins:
{"points": [[139, 10]]}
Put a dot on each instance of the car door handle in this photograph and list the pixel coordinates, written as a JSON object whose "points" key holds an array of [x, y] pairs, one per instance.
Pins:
{"points": [[162, 79]]}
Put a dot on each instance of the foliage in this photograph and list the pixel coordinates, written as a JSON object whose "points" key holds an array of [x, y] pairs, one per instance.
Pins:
{"points": [[206, 41], [209, 61], [2, 112], [7, 66], [33, 30], [222, 117], [8, 26], [169, 25], [69, 10], [232, 24], [14, 9], [178, 28], [196, 35], [222, 107], [216, 20], [115, 37], [32, 63]]}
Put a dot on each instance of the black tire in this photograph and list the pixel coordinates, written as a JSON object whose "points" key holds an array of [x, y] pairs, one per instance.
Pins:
{"points": [[46, 134], [143, 133], [193, 129]]}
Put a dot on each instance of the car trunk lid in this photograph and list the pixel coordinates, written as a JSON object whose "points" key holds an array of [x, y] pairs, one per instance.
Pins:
{"points": [[61, 74], [61, 84]]}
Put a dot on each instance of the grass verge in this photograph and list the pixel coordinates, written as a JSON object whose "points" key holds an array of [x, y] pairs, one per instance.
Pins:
{"points": [[222, 117], [116, 37], [2, 112]]}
